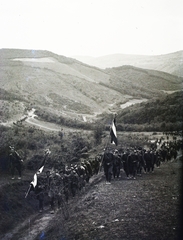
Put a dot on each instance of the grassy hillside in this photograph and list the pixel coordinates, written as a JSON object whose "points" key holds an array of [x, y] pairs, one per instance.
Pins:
{"points": [[164, 114], [55, 81], [139, 82], [68, 88]]}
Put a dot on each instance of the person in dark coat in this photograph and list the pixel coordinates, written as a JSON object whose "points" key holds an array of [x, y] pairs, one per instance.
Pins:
{"points": [[108, 165], [148, 161], [74, 182], [96, 164], [55, 188], [116, 165], [15, 163], [140, 163], [125, 163], [40, 189], [132, 164]]}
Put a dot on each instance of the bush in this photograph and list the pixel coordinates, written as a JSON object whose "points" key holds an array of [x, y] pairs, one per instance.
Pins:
{"points": [[98, 132]]}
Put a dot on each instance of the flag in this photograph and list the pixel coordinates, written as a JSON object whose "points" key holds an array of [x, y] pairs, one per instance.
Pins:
{"points": [[32, 185], [113, 133], [34, 182], [40, 170]]}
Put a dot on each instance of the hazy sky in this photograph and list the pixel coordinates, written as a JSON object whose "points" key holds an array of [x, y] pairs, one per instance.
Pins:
{"points": [[92, 27]]}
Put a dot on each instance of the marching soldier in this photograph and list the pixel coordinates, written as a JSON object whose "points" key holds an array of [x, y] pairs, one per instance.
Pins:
{"points": [[116, 164], [108, 166], [15, 162]]}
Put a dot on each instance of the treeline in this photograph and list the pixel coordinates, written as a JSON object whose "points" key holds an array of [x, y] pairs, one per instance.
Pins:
{"points": [[155, 127], [165, 114], [31, 143], [63, 121], [159, 115]]}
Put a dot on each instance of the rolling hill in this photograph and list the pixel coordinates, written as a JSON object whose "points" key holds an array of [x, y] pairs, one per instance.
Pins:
{"points": [[171, 63], [164, 114], [69, 88]]}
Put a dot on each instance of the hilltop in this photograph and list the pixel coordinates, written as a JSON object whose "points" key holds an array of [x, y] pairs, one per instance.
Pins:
{"points": [[71, 89], [171, 63]]}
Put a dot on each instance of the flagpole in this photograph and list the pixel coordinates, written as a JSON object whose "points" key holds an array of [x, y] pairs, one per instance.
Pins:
{"points": [[28, 191], [104, 153]]}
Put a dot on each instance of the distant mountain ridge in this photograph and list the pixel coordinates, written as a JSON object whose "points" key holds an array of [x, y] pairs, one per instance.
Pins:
{"points": [[70, 88], [171, 63]]}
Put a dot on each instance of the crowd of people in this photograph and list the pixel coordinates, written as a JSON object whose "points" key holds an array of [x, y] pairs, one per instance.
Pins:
{"points": [[136, 161], [62, 184]]}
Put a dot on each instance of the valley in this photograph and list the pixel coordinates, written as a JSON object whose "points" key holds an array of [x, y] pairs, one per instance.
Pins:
{"points": [[51, 101], [67, 87], [65, 90]]}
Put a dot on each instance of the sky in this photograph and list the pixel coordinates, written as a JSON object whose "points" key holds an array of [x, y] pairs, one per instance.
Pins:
{"points": [[92, 27]]}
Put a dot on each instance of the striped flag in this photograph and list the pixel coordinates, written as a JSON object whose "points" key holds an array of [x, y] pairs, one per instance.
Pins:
{"points": [[113, 133], [32, 185], [34, 182], [40, 170]]}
